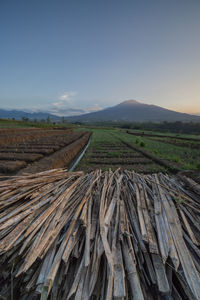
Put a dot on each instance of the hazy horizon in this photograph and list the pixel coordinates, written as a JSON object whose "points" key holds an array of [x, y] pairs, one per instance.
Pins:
{"points": [[76, 112], [61, 55]]}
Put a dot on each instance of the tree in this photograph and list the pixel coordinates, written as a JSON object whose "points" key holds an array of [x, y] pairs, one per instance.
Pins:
{"points": [[25, 119], [48, 120], [63, 120]]}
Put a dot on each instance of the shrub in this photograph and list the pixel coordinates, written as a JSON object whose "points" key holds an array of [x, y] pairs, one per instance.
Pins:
{"points": [[156, 152], [137, 141], [176, 159], [142, 144], [198, 166]]}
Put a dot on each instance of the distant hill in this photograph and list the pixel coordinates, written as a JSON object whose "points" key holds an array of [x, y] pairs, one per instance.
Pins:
{"points": [[127, 111], [134, 111], [19, 114]]}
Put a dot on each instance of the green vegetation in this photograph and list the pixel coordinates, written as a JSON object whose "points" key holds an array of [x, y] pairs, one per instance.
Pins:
{"points": [[187, 158], [198, 166], [115, 153], [158, 134], [180, 200], [26, 123], [142, 144], [106, 140], [137, 141], [177, 128], [174, 128], [100, 137]]}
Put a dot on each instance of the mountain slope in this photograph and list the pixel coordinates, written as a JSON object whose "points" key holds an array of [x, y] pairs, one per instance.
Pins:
{"points": [[134, 111], [19, 114]]}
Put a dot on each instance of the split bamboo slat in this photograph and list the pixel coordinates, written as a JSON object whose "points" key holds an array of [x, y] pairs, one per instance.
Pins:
{"points": [[103, 235]]}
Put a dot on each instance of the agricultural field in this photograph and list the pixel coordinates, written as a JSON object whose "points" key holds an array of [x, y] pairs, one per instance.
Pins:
{"points": [[23, 124], [108, 150], [87, 235], [34, 150], [114, 148], [183, 151], [167, 134], [178, 142]]}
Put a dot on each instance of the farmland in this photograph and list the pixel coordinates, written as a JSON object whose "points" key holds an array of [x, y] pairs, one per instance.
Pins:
{"points": [[107, 150], [118, 225], [34, 150], [113, 148], [195, 137], [184, 150]]}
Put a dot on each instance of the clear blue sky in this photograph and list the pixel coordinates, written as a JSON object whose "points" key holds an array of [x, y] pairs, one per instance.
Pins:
{"points": [[97, 53]]}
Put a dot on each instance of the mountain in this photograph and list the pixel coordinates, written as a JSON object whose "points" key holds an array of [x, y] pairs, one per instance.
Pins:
{"points": [[134, 111], [127, 111], [19, 114]]}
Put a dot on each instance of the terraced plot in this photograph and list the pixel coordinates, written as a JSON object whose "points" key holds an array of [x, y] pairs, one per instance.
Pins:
{"points": [[37, 150], [108, 151], [184, 153], [177, 142]]}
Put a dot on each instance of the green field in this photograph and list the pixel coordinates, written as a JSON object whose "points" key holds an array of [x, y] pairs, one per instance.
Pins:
{"points": [[186, 157], [6, 123], [113, 147], [182, 158], [168, 133]]}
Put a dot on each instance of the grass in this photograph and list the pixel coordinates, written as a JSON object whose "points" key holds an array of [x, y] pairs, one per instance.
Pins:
{"points": [[99, 136], [186, 143], [180, 200], [6, 123], [188, 158], [106, 140], [170, 134], [198, 166], [140, 142], [114, 153]]}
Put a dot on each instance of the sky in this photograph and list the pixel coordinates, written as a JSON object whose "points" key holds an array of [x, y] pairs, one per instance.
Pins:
{"points": [[85, 55]]}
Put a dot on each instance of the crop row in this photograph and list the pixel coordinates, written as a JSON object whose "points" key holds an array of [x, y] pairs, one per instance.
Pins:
{"points": [[108, 151], [17, 136], [25, 148], [184, 155], [177, 137]]}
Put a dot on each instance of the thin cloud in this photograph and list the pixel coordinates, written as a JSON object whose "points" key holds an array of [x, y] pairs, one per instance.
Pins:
{"points": [[67, 96], [96, 107], [67, 104], [65, 100]]}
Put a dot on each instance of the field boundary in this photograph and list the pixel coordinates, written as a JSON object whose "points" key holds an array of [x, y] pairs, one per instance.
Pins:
{"points": [[79, 156], [60, 158], [163, 136]]}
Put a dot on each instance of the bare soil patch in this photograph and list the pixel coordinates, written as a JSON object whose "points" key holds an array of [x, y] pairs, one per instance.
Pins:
{"points": [[44, 146], [28, 157], [33, 150], [7, 166], [121, 161], [59, 159]]}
